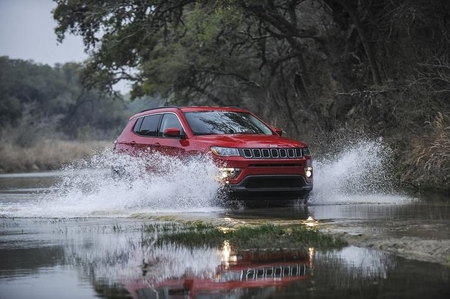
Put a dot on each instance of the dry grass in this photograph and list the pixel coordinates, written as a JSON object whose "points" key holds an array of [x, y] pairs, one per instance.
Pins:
{"points": [[430, 155], [436, 156], [46, 154]]}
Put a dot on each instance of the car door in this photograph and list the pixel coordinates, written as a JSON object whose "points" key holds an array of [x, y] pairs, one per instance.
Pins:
{"points": [[171, 145], [146, 129]]}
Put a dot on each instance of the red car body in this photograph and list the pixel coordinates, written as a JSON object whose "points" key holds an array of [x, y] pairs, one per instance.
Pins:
{"points": [[253, 160]]}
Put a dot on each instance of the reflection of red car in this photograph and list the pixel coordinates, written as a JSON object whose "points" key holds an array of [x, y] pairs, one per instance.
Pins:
{"points": [[254, 160], [247, 270]]}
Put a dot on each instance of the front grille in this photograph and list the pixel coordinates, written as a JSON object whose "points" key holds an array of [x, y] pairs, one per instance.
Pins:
{"points": [[277, 165], [272, 153]]}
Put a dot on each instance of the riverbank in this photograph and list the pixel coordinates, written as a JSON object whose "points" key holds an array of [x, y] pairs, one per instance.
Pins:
{"points": [[46, 154], [428, 242]]}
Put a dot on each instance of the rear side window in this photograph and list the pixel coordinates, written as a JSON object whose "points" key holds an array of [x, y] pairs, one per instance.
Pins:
{"points": [[149, 125], [137, 125]]}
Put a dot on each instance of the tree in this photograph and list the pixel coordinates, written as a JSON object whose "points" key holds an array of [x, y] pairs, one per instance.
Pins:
{"points": [[39, 101], [296, 57]]}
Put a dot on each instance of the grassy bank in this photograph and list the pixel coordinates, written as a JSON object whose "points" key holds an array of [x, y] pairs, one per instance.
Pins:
{"points": [[46, 154], [265, 236], [426, 163]]}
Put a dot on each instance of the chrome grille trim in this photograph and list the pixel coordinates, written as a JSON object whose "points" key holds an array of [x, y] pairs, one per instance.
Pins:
{"points": [[256, 153], [274, 153], [247, 153], [271, 153], [291, 153]]}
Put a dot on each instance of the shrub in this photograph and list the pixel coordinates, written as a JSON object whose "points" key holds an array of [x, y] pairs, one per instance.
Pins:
{"points": [[430, 156]]}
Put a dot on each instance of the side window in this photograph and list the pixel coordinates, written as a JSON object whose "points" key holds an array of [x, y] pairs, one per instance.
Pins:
{"points": [[149, 126], [137, 125], [169, 121]]}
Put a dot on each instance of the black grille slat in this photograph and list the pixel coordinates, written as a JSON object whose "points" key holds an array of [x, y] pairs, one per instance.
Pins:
{"points": [[271, 153], [274, 153], [291, 153], [265, 183]]}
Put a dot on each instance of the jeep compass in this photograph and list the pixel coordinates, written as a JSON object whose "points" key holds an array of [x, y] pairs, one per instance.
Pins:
{"points": [[252, 158]]}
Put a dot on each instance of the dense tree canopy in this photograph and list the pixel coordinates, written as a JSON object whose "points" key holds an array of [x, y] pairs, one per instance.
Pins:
{"points": [[296, 56], [40, 101]]}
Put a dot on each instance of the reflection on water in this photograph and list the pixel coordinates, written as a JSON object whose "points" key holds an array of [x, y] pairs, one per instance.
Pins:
{"points": [[103, 258], [359, 272], [420, 211], [236, 274]]}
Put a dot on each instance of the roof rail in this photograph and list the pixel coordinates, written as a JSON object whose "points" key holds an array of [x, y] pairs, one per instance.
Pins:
{"points": [[160, 107]]}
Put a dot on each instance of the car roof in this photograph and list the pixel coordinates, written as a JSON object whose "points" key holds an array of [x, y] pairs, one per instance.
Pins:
{"points": [[187, 109]]}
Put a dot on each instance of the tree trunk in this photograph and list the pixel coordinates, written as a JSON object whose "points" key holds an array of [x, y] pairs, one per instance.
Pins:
{"points": [[362, 35]]}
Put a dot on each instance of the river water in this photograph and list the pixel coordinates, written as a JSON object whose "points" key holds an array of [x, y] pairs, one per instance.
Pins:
{"points": [[78, 233]]}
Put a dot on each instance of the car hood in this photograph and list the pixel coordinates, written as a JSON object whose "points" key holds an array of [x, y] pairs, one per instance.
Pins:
{"points": [[249, 141]]}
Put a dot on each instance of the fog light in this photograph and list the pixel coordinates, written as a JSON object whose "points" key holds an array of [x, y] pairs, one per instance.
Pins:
{"points": [[308, 172], [224, 174]]}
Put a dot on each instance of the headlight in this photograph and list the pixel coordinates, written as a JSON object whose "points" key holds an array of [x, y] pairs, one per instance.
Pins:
{"points": [[225, 151], [306, 151]]}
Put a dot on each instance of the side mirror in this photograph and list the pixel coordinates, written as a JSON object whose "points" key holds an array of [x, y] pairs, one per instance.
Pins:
{"points": [[172, 132], [278, 131]]}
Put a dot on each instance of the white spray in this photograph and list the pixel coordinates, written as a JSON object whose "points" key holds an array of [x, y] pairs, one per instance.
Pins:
{"points": [[359, 172], [173, 185]]}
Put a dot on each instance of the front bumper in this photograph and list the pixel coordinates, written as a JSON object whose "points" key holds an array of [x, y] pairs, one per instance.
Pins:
{"points": [[269, 187]]}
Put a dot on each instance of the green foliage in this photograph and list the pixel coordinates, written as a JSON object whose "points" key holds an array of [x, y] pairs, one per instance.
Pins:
{"points": [[38, 101], [261, 236], [288, 56]]}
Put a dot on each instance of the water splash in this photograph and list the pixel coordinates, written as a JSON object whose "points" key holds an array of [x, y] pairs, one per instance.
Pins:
{"points": [[359, 173], [356, 173], [89, 187]]}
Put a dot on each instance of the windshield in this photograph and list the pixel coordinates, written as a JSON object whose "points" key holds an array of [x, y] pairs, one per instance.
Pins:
{"points": [[225, 122]]}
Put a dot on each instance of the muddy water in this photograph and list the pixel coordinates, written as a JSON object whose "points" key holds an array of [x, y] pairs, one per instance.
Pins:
{"points": [[61, 236]]}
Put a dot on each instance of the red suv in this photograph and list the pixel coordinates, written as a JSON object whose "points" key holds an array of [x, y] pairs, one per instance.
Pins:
{"points": [[253, 160]]}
